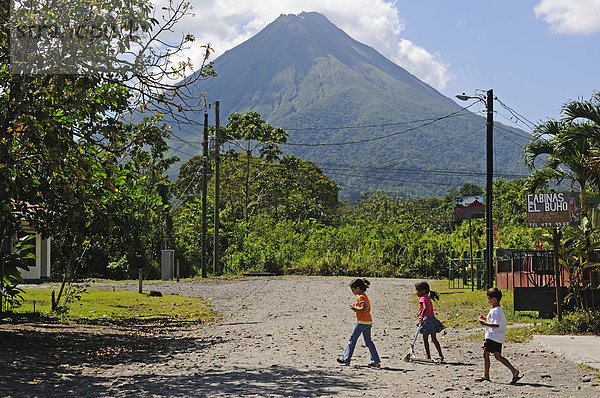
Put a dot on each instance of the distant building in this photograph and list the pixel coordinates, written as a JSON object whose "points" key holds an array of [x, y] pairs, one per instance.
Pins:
{"points": [[39, 268]]}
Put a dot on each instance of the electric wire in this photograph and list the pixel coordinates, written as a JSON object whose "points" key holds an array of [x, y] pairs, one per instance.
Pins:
{"points": [[499, 131], [431, 121], [454, 114], [517, 115], [379, 169], [180, 151], [395, 179], [179, 199], [434, 146], [527, 138]]}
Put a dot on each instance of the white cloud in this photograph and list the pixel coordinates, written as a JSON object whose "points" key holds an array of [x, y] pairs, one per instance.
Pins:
{"points": [[227, 23], [570, 17], [426, 66]]}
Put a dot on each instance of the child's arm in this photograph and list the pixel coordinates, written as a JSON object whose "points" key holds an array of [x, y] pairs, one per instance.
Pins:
{"points": [[421, 313], [483, 321], [361, 307]]}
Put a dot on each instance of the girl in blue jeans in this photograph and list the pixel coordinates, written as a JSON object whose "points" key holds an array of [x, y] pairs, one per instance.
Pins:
{"points": [[362, 308]]}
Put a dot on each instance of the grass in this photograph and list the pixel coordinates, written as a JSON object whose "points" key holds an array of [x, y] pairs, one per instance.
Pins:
{"points": [[120, 306], [590, 370], [460, 308]]}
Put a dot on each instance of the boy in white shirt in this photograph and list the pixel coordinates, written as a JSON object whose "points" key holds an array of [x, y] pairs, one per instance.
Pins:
{"points": [[495, 332]]}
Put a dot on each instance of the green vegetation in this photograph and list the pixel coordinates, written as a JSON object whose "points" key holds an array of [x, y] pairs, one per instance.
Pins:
{"points": [[75, 167], [460, 308], [330, 81], [120, 306]]}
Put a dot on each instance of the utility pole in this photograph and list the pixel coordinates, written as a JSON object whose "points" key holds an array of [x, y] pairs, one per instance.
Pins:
{"points": [[489, 151], [488, 191], [204, 186], [217, 160]]}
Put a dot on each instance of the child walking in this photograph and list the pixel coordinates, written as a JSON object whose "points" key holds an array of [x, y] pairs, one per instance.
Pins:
{"points": [[495, 332], [362, 308], [428, 323]]}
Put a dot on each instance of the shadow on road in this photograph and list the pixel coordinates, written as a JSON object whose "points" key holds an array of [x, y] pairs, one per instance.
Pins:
{"points": [[42, 362]]}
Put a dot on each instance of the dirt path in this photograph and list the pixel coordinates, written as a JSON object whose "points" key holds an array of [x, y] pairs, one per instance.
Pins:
{"points": [[279, 337]]}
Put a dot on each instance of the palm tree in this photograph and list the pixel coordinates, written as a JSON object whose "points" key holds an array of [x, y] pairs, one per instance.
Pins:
{"points": [[570, 148], [585, 115], [572, 152]]}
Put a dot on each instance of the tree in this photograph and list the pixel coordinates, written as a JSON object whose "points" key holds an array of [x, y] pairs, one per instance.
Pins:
{"points": [[64, 137], [298, 190], [585, 116], [250, 133], [569, 148]]}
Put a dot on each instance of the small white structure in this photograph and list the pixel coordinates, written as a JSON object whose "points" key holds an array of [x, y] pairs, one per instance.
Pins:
{"points": [[39, 268], [167, 263]]}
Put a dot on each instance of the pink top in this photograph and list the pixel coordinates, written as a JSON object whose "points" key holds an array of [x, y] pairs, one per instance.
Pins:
{"points": [[425, 301]]}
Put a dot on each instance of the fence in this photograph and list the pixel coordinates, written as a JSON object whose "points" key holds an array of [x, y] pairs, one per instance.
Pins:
{"points": [[466, 273]]}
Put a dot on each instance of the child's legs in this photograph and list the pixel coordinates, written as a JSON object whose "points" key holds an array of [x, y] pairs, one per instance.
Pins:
{"points": [[370, 345], [486, 364], [426, 344], [358, 329], [505, 362], [437, 344]]}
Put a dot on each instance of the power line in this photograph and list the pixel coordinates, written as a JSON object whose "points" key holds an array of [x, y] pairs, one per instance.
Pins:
{"points": [[430, 121], [428, 172], [436, 146], [335, 167], [180, 151], [395, 179], [455, 114], [517, 115], [508, 138], [527, 138]]}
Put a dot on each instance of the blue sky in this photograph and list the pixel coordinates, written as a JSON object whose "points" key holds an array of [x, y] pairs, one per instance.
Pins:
{"points": [[535, 54]]}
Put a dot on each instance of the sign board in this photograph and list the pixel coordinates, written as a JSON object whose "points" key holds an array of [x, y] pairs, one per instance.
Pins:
{"points": [[556, 209], [469, 207]]}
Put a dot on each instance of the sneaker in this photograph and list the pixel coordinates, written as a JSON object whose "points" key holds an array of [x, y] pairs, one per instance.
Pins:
{"points": [[374, 365], [340, 360]]}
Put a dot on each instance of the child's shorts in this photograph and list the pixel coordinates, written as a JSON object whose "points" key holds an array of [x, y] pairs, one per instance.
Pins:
{"points": [[492, 346], [431, 325]]}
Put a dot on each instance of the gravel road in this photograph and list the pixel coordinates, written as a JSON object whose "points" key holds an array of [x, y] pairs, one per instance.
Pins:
{"points": [[279, 337]]}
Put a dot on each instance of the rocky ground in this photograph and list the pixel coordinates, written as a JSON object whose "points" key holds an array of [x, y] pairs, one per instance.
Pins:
{"points": [[279, 338]]}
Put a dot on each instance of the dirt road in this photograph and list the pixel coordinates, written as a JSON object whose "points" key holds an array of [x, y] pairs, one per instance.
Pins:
{"points": [[280, 338]]}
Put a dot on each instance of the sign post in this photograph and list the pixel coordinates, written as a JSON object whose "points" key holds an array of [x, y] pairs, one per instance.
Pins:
{"points": [[466, 208], [555, 209]]}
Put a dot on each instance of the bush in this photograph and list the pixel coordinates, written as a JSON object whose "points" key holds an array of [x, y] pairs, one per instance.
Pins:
{"points": [[578, 322]]}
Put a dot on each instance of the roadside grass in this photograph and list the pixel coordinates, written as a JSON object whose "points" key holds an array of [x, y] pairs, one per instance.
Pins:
{"points": [[460, 308], [98, 306], [589, 369]]}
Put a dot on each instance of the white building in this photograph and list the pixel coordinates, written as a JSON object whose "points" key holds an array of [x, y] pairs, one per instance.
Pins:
{"points": [[39, 268]]}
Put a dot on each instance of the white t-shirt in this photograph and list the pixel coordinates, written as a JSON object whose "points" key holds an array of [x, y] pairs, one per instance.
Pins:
{"points": [[496, 317]]}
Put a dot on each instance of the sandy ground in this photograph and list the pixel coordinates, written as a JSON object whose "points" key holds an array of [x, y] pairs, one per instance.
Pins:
{"points": [[279, 338]]}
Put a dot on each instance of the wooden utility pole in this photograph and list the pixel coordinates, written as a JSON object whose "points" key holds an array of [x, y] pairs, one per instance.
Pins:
{"points": [[217, 160], [204, 186], [489, 229]]}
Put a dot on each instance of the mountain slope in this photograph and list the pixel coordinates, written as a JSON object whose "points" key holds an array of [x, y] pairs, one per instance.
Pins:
{"points": [[306, 75]]}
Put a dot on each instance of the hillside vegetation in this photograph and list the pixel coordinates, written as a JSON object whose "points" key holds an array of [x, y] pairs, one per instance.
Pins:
{"points": [[368, 123]]}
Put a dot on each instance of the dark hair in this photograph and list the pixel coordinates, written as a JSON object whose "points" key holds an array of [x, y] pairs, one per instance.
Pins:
{"points": [[494, 292], [425, 286], [362, 284]]}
